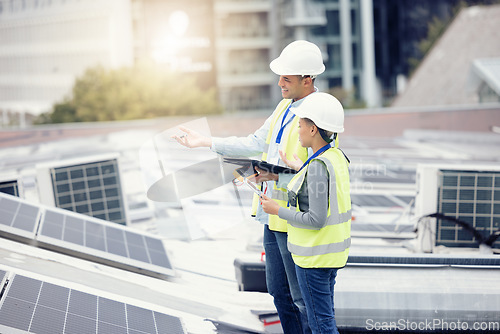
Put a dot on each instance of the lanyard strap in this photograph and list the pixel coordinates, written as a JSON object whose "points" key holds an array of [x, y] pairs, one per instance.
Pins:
{"points": [[280, 133], [318, 152]]}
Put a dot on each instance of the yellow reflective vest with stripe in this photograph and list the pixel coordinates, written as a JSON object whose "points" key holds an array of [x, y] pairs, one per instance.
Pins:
{"points": [[328, 246], [291, 146]]}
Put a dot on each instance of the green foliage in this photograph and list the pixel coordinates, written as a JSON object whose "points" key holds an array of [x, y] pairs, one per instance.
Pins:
{"points": [[132, 93], [63, 112], [435, 29], [438, 26]]}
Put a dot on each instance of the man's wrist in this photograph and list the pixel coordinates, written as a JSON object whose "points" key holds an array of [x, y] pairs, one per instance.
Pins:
{"points": [[207, 142]]}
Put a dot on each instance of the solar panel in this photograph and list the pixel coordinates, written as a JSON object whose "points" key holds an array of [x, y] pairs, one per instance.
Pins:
{"points": [[472, 197], [9, 187], [35, 306], [85, 237], [103, 242], [17, 218]]}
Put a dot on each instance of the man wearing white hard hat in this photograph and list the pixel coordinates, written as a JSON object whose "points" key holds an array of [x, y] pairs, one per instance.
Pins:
{"points": [[319, 217], [297, 66]]}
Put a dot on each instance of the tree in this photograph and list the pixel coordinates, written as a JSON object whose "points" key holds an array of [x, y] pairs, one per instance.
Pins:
{"points": [[63, 112], [142, 91], [438, 26]]}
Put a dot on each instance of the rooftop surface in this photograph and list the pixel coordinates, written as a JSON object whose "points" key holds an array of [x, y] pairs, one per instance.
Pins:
{"points": [[204, 234]]}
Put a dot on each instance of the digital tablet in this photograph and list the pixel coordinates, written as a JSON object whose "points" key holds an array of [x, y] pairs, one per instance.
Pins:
{"points": [[239, 174], [247, 163]]}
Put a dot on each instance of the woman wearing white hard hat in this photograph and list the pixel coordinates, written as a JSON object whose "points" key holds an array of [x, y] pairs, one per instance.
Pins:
{"points": [[319, 218]]}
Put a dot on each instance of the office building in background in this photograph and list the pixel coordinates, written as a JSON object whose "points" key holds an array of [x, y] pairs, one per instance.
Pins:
{"points": [[47, 44], [227, 44], [250, 34]]}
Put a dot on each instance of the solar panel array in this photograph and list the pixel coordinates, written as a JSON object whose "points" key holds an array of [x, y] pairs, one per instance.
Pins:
{"points": [[92, 188], [95, 238], [9, 187], [85, 237], [472, 197], [35, 306], [18, 218]]}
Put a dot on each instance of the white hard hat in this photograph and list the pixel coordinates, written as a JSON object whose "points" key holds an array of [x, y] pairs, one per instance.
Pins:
{"points": [[299, 58], [324, 110]]}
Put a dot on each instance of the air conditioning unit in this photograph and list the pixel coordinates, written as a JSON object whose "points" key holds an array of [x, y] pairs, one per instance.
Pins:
{"points": [[89, 186], [458, 206]]}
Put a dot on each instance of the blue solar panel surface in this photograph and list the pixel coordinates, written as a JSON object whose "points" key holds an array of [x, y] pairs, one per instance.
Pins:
{"points": [[85, 237], [68, 231], [18, 215], [36, 306]]}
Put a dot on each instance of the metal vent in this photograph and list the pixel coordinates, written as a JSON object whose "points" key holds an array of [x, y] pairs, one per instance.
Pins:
{"points": [[472, 197]]}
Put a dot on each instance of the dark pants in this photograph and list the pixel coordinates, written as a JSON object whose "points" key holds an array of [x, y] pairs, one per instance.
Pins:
{"points": [[316, 286], [282, 284]]}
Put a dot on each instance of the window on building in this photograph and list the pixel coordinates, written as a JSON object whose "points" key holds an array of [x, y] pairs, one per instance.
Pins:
{"points": [[335, 59], [354, 23], [356, 81], [356, 56], [335, 82], [333, 25]]}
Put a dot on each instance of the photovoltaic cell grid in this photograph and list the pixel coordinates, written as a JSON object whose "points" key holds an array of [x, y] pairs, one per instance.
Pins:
{"points": [[40, 307], [18, 216], [69, 231], [84, 237], [92, 189], [472, 197], [9, 187]]}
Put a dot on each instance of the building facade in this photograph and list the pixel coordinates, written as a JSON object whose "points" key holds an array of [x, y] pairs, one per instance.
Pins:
{"points": [[46, 44], [250, 34], [227, 44], [176, 36]]}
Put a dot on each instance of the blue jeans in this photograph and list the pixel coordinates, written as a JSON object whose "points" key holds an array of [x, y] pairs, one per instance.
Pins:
{"points": [[316, 285], [282, 283]]}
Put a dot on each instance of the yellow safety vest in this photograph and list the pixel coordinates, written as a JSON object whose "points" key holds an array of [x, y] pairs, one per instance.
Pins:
{"points": [[292, 146], [326, 247]]}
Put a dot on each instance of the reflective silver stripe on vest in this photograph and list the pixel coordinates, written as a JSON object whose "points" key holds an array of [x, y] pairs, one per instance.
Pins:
{"points": [[335, 247], [339, 218], [279, 195], [333, 219], [266, 148]]}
